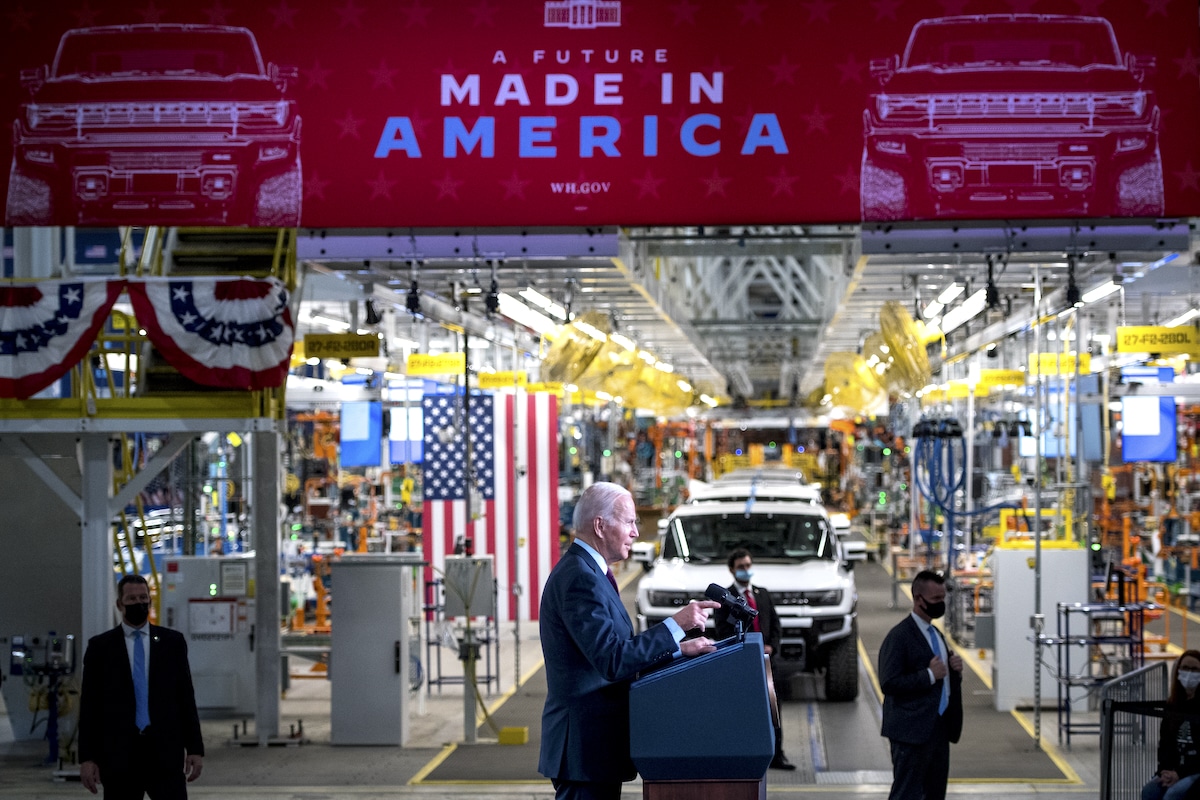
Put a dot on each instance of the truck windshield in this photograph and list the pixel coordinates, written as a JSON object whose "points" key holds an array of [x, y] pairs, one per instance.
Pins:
{"points": [[121, 53], [973, 44], [769, 537]]}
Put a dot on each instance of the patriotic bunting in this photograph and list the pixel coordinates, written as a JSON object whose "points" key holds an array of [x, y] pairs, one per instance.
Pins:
{"points": [[47, 327], [235, 333]]}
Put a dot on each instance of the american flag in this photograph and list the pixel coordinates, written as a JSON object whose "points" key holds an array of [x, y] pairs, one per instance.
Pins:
{"points": [[514, 509]]}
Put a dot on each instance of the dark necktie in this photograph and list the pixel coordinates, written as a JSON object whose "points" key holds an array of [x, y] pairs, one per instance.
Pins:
{"points": [[141, 690], [613, 581], [754, 626]]}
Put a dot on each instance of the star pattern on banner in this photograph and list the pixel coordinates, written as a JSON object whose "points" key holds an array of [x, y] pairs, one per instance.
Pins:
{"points": [[1156, 8], [1189, 64], [783, 72], [685, 13], [445, 473], [818, 10], [383, 75], [349, 125], [284, 15], [849, 180], [484, 14], [715, 184], [19, 19], [751, 11], [648, 185], [381, 186], [851, 69], [816, 120], [86, 16], [1189, 178], [448, 187], [317, 75], [314, 186], [782, 183], [152, 14], [350, 15], [514, 187], [420, 124], [217, 14], [417, 14]]}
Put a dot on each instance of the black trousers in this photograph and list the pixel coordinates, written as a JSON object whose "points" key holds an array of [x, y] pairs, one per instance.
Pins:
{"points": [[920, 771], [580, 790], [147, 775]]}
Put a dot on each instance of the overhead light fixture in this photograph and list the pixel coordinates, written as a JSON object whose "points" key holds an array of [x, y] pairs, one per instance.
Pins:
{"points": [[413, 301], [545, 303], [968, 310], [708, 401], [328, 322], [684, 386], [624, 341], [933, 309], [993, 294], [522, 314], [1073, 296], [372, 314], [1183, 318], [950, 292], [1100, 292]]}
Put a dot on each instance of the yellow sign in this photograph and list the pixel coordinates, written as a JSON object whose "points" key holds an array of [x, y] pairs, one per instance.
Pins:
{"points": [[1001, 377], [957, 389], [1060, 364], [340, 345], [552, 387], [1156, 339], [441, 364], [501, 380]]}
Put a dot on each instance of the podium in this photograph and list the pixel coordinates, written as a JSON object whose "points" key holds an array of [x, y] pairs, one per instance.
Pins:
{"points": [[702, 726]]}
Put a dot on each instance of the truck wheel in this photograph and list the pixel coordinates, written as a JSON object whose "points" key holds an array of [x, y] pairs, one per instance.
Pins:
{"points": [[841, 676]]}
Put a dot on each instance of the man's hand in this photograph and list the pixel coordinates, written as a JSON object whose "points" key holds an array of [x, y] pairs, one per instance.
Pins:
{"points": [[938, 668], [89, 775], [1168, 777], [696, 647], [192, 765], [956, 662], [694, 614]]}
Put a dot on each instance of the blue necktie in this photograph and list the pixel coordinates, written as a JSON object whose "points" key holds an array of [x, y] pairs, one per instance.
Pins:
{"points": [[141, 690], [937, 651]]}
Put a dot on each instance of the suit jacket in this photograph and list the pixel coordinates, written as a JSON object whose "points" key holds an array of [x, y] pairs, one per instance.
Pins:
{"points": [[910, 702], [106, 703], [768, 620], [591, 656]]}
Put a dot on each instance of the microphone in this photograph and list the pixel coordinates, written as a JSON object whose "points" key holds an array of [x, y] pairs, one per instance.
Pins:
{"points": [[736, 606]]}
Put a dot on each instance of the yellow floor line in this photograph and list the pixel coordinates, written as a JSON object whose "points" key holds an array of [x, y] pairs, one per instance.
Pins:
{"points": [[865, 660]]}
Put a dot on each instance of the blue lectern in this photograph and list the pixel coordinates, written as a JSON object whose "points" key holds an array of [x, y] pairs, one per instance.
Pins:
{"points": [[706, 718]]}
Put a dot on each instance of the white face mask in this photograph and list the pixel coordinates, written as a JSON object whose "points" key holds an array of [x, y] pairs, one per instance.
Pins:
{"points": [[1189, 680]]}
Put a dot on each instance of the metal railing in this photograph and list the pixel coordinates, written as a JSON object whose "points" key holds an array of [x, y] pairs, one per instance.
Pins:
{"points": [[1131, 709]]}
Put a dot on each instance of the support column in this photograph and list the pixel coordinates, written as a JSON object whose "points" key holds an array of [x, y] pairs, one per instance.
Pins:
{"points": [[97, 589], [264, 514]]}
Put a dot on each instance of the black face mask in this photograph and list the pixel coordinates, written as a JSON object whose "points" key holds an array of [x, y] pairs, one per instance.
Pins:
{"points": [[934, 610], [137, 613]]}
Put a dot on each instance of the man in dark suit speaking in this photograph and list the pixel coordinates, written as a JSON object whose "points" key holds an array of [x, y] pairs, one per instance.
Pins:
{"points": [[922, 695], [592, 654], [139, 732]]}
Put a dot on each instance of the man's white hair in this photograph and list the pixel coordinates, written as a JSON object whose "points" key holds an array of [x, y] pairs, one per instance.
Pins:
{"points": [[597, 501]]}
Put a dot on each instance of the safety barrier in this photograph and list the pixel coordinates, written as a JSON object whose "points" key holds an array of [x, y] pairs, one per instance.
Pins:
{"points": [[1131, 708]]}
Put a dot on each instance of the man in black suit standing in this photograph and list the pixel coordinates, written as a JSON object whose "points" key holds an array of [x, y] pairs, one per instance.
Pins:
{"points": [[767, 623], [592, 653], [139, 732], [922, 695]]}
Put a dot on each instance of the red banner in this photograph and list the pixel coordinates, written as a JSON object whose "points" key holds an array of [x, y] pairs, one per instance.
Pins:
{"points": [[375, 113]]}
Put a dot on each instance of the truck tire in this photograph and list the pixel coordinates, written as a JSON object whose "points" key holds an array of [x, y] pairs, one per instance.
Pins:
{"points": [[841, 675]]}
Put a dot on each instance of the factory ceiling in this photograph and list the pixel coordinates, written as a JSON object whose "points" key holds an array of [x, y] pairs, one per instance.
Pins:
{"points": [[754, 312]]}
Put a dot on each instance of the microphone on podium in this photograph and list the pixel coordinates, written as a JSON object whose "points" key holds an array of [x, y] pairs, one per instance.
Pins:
{"points": [[736, 606]]}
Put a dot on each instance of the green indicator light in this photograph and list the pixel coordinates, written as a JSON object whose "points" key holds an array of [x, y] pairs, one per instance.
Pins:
{"points": [[573, 451], [906, 449], [887, 451], [295, 537], [607, 453], [1096, 546], [220, 463], [903, 486], [207, 488], [212, 590], [297, 526], [215, 530], [771, 445], [678, 454]]}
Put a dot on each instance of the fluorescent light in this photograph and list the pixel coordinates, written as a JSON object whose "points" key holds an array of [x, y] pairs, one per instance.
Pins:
{"points": [[313, 361], [1183, 318], [684, 386], [1100, 292], [364, 371], [119, 362], [708, 401], [932, 310], [647, 357], [950, 292], [522, 314], [328, 322], [570, 387], [591, 331], [960, 315], [624, 341], [664, 367], [537, 298], [605, 396]]}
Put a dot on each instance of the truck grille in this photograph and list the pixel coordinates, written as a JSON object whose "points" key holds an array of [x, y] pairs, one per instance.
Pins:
{"points": [[1017, 151], [175, 161]]}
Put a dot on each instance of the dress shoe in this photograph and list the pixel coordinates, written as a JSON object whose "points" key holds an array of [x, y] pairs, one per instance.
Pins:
{"points": [[780, 762]]}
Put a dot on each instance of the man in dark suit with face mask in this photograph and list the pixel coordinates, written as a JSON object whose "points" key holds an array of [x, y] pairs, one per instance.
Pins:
{"points": [[922, 695], [139, 732]]}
